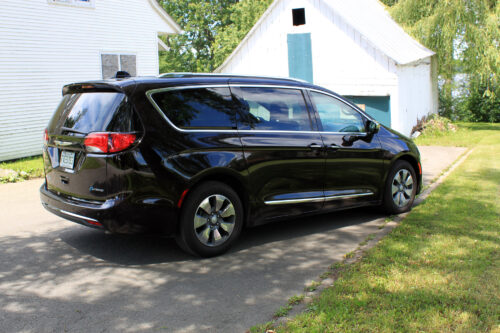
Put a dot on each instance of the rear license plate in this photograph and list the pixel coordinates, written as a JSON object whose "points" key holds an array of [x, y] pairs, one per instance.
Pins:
{"points": [[67, 159]]}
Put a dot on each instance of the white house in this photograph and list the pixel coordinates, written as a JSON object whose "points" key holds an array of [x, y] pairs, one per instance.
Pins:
{"points": [[45, 44], [352, 47]]}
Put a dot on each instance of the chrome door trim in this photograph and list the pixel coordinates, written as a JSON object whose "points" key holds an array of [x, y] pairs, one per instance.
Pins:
{"points": [[318, 199], [294, 201], [347, 196]]}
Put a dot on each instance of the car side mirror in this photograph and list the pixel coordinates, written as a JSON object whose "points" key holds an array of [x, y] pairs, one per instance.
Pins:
{"points": [[372, 127], [348, 140]]}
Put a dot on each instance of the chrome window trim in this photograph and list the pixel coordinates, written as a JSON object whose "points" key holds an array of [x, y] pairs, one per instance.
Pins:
{"points": [[301, 132], [243, 85], [154, 91], [150, 93], [317, 199]]}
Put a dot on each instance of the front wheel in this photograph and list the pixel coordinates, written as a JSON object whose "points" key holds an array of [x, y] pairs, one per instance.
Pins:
{"points": [[211, 220], [400, 188]]}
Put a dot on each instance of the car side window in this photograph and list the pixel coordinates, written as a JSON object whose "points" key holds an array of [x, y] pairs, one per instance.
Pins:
{"points": [[198, 108], [277, 109], [336, 116]]}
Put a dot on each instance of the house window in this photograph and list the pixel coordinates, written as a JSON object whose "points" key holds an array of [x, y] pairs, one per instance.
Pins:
{"points": [[77, 3], [112, 63], [299, 16]]}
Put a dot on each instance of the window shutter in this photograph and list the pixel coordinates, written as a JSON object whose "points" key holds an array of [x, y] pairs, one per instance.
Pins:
{"points": [[128, 64], [110, 65]]}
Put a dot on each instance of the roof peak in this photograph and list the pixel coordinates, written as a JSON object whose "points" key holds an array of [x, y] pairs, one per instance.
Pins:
{"points": [[373, 22]]}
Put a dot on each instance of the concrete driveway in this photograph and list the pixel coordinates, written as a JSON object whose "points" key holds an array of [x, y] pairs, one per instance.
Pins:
{"points": [[59, 276]]}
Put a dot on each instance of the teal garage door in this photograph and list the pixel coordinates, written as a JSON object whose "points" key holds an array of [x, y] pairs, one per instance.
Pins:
{"points": [[300, 63], [379, 107]]}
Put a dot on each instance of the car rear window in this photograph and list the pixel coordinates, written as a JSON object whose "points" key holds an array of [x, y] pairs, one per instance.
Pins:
{"points": [[198, 108], [94, 112]]}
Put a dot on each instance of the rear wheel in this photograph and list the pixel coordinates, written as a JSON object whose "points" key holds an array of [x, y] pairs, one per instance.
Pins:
{"points": [[211, 220], [400, 188]]}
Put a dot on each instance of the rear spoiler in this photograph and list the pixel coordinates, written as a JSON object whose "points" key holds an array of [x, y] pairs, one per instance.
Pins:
{"points": [[77, 88]]}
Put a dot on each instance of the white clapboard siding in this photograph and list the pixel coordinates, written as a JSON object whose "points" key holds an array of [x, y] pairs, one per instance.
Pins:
{"points": [[44, 46], [417, 92], [357, 49]]}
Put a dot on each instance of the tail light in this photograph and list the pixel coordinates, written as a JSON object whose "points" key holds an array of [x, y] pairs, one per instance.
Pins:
{"points": [[45, 137], [105, 142]]}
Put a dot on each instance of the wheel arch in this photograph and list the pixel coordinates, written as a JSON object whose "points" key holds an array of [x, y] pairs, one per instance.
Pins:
{"points": [[414, 162], [226, 176]]}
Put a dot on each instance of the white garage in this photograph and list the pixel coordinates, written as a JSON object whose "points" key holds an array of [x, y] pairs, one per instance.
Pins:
{"points": [[351, 47]]}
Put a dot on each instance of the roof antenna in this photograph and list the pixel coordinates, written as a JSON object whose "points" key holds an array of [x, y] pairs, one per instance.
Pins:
{"points": [[122, 75]]}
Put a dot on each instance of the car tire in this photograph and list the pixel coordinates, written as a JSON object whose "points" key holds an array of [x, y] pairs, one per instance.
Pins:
{"points": [[400, 188], [211, 220]]}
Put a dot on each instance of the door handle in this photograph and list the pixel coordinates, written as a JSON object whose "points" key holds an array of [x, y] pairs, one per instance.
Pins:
{"points": [[334, 147], [315, 146]]}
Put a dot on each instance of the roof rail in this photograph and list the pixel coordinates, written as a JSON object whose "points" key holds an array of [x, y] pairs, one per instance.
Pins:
{"points": [[190, 74]]}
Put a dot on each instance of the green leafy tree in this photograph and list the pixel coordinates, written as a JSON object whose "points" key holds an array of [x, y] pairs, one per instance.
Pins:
{"points": [[244, 15], [465, 36], [200, 20], [211, 30], [389, 2]]}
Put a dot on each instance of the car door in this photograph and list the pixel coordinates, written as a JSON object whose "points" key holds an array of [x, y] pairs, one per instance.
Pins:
{"points": [[283, 150], [354, 164]]}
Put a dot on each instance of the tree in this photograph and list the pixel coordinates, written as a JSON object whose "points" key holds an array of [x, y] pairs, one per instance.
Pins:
{"points": [[212, 29], [244, 15], [465, 36], [200, 20]]}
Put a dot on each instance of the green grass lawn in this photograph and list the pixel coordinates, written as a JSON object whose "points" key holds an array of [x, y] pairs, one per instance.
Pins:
{"points": [[467, 135], [31, 166], [439, 271]]}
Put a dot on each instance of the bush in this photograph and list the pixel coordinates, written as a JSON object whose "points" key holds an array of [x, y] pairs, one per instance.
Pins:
{"points": [[477, 101], [434, 124], [483, 102]]}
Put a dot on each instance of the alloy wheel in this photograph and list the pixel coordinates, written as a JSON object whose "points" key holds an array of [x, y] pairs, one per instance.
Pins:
{"points": [[402, 188], [214, 220]]}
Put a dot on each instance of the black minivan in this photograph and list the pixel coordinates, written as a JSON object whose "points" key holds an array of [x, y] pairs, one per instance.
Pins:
{"points": [[200, 156]]}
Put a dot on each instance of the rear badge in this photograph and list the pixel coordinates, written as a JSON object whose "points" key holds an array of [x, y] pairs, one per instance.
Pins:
{"points": [[95, 189]]}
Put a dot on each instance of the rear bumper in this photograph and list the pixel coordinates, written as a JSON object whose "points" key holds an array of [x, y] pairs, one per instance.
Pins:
{"points": [[90, 215], [122, 215], [118, 215]]}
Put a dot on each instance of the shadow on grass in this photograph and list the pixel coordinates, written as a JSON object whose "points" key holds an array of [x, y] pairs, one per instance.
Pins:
{"points": [[480, 126]]}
